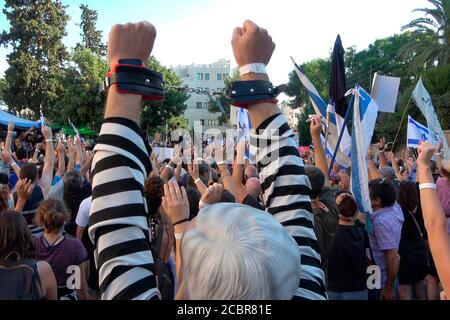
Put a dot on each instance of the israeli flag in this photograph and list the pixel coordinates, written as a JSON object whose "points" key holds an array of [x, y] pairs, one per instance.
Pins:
{"points": [[364, 119], [244, 124], [336, 121], [219, 105], [418, 132], [42, 118]]}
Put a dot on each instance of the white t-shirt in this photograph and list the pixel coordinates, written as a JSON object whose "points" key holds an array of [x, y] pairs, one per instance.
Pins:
{"points": [[82, 219]]}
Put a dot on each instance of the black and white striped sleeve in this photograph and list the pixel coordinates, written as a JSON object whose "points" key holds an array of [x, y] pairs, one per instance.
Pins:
{"points": [[286, 191], [118, 223]]}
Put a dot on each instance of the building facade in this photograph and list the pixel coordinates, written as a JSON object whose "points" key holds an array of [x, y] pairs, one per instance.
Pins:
{"points": [[205, 77]]}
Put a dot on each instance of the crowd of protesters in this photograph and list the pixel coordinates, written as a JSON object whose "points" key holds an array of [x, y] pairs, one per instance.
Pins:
{"points": [[125, 224]]}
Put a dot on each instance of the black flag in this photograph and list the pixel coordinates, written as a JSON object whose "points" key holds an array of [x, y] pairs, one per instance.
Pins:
{"points": [[338, 85]]}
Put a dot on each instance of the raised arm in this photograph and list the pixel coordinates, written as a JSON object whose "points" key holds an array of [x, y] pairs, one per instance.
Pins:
{"points": [[238, 172], [319, 151], [382, 152], [70, 155], [285, 186], [8, 141], [47, 173], [194, 172], [220, 156], [118, 219], [374, 174], [61, 160], [6, 156], [434, 216]]}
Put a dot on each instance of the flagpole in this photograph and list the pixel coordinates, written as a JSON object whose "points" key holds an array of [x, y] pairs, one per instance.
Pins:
{"points": [[327, 129], [341, 133], [401, 123]]}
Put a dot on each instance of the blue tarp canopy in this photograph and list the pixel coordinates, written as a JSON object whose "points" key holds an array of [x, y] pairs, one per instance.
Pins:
{"points": [[20, 123]]}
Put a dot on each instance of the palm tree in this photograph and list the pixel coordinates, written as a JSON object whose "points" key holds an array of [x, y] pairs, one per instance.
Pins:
{"points": [[431, 41]]}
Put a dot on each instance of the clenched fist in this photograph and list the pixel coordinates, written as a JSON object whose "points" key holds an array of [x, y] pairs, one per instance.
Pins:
{"points": [[252, 44], [131, 41]]}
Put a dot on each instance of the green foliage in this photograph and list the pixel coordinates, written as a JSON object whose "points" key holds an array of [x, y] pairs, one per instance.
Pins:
{"points": [[304, 133], [155, 114], [3, 88], [381, 56], [224, 100], [431, 42], [81, 101], [92, 38], [437, 82], [319, 72], [38, 53]]}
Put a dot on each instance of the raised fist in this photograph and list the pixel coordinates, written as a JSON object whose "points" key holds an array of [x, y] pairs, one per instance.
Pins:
{"points": [[252, 44], [131, 41], [47, 132]]}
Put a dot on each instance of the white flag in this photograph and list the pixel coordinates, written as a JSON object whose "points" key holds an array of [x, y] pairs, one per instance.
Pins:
{"points": [[423, 101]]}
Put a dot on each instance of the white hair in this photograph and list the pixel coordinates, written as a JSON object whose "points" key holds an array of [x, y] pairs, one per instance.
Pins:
{"points": [[237, 252]]}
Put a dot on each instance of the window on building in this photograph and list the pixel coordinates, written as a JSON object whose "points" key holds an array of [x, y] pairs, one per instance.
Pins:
{"points": [[219, 77], [199, 76], [225, 75], [199, 105], [206, 105], [203, 122], [206, 76]]}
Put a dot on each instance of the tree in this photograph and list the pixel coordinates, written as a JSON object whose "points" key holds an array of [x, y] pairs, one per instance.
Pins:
{"points": [[431, 41], [437, 82], [91, 37], [3, 89], [224, 99], [81, 101], [38, 53], [156, 113], [318, 71], [381, 56]]}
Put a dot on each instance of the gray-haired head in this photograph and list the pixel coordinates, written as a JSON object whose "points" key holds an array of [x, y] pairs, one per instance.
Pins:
{"points": [[236, 252]]}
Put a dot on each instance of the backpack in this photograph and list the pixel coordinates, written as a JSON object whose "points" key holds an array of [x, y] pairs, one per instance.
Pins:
{"points": [[164, 276], [20, 281]]}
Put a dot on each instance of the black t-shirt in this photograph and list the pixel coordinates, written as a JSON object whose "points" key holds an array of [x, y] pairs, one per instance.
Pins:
{"points": [[73, 204], [252, 202], [413, 231], [348, 262], [33, 202]]}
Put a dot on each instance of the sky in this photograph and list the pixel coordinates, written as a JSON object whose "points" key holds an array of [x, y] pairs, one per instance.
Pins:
{"points": [[199, 31]]}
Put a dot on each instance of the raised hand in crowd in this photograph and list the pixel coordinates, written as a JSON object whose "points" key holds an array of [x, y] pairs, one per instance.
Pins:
{"points": [[194, 172], [49, 162], [176, 205], [320, 155], [220, 156], [9, 136], [238, 172], [434, 216], [212, 195], [7, 157], [61, 154], [382, 152], [24, 190]]}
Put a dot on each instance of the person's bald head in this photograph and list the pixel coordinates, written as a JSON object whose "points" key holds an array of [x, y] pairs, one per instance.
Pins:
{"points": [[253, 187], [251, 172]]}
